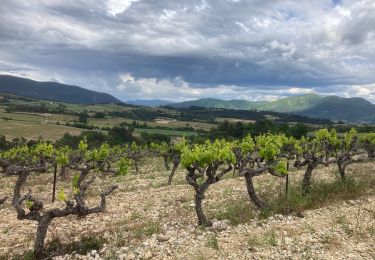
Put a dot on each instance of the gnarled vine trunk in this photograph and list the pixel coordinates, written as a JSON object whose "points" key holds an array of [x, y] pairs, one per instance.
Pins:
{"points": [[22, 177], [202, 219], [63, 173], [252, 193], [307, 177], [136, 166], [166, 165], [41, 233], [77, 206], [176, 162], [342, 167]]}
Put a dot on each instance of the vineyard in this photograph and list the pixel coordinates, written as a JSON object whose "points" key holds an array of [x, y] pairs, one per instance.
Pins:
{"points": [[140, 202]]}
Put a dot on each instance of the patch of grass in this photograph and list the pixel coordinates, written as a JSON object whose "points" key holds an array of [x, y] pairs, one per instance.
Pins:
{"points": [[6, 229], [27, 255], [322, 193], [330, 241], [343, 222], [150, 176], [55, 248], [227, 191], [85, 245], [236, 211], [309, 227], [270, 237], [135, 216], [157, 185], [146, 229], [135, 227], [254, 241], [265, 213], [212, 242], [308, 253]]}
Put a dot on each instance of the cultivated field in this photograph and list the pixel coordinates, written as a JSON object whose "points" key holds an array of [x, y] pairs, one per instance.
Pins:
{"points": [[148, 219], [31, 130]]}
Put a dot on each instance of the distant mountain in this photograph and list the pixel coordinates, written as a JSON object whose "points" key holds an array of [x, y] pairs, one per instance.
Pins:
{"points": [[291, 104], [52, 91], [356, 110], [218, 103], [288, 104], [149, 102]]}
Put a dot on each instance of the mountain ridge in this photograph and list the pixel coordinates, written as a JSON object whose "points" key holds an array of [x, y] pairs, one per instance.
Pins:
{"points": [[358, 110], [52, 91]]}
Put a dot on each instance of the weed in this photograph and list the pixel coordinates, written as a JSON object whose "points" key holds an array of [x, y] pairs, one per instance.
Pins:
{"points": [[343, 222], [212, 242], [330, 240], [254, 241], [146, 229], [236, 211], [227, 191], [270, 237], [309, 227]]}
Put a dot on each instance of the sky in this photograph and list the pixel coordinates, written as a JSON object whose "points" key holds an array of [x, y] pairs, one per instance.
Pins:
{"points": [[187, 49]]}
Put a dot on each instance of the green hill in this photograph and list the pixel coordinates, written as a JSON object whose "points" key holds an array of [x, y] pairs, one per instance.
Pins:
{"points": [[336, 108], [291, 104], [52, 91]]}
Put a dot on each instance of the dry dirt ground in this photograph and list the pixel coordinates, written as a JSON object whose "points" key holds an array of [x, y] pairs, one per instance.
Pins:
{"points": [[147, 219]]}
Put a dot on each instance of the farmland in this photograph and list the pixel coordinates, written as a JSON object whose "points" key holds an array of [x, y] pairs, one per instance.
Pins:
{"points": [[147, 218]]}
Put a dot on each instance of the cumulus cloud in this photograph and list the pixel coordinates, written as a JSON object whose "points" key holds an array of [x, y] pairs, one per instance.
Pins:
{"points": [[193, 48], [177, 89]]}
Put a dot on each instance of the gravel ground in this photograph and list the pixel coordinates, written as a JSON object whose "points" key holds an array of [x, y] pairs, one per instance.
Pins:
{"points": [[146, 219]]}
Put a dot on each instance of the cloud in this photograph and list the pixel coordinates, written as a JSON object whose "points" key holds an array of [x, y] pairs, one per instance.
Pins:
{"points": [[223, 48], [177, 89], [115, 7]]}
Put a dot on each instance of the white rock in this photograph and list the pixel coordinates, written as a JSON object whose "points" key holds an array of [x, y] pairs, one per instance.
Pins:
{"points": [[148, 255]]}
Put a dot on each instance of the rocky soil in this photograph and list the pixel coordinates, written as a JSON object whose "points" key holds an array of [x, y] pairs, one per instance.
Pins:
{"points": [[147, 219]]}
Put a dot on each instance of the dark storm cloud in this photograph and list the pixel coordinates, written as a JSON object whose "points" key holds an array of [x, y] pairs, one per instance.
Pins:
{"points": [[221, 48]]}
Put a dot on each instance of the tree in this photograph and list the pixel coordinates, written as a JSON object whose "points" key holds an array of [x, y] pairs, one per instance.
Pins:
{"points": [[206, 164], [120, 135], [99, 115], [83, 117], [299, 130], [68, 140]]}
